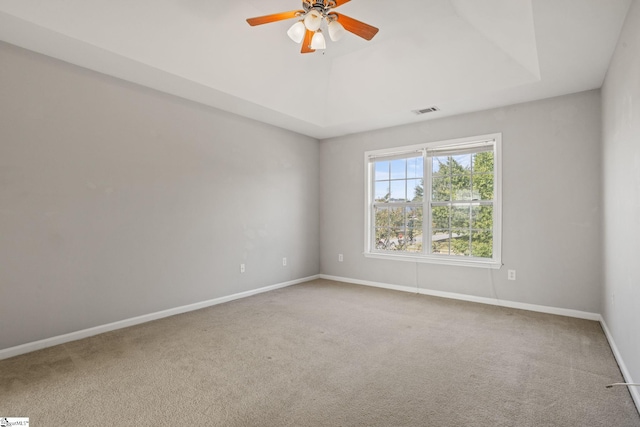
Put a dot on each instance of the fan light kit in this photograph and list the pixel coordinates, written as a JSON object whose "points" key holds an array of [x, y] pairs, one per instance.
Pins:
{"points": [[307, 30]]}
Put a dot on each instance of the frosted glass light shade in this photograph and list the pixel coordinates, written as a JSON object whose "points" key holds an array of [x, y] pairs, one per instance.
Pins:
{"points": [[313, 20], [318, 42], [336, 31], [296, 32]]}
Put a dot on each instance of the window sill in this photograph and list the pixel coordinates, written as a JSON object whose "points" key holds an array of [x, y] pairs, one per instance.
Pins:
{"points": [[466, 262]]}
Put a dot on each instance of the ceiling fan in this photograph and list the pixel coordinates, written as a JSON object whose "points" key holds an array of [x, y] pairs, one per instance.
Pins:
{"points": [[307, 30]]}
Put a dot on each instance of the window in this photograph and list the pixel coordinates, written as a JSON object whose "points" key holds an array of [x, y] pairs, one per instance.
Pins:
{"points": [[437, 202]]}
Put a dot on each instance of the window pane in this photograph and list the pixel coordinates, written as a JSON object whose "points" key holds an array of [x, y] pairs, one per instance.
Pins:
{"points": [[414, 190], [382, 191], [383, 238], [440, 216], [461, 186], [414, 241], [414, 218], [440, 242], [399, 169], [415, 167], [400, 239], [397, 219], [483, 187], [460, 244], [482, 244], [441, 189], [461, 162], [414, 230], [382, 217], [483, 162], [482, 217], [460, 217], [381, 171], [440, 165], [398, 191]]}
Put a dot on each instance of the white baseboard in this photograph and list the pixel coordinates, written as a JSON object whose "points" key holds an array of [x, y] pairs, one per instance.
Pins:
{"points": [[635, 391], [73, 336], [482, 300]]}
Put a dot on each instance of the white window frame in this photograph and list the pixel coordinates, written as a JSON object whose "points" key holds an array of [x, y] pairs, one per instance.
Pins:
{"points": [[369, 249]]}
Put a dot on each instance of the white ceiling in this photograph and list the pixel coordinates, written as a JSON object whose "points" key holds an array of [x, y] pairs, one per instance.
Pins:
{"points": [[459, 55]]}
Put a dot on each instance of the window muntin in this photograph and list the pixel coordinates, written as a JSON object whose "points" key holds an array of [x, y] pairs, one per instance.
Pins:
{"points": [[436, 202]]}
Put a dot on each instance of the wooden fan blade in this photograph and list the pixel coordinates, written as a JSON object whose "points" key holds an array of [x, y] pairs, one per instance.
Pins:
{"points": [[356, 27], [275, 17], [340, 2], [306, 43]]}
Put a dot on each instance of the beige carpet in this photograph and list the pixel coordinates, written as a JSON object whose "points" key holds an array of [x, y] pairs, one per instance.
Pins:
{"points": [[328, 354]]}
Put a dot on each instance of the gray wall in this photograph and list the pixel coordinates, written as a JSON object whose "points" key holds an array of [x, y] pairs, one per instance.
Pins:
{"points": [[551, 204], [621, 177], [118, 201]]}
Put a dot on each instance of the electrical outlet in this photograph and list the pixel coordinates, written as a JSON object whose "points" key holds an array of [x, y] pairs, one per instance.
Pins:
{"points": [[241, 268], [511, 274], [340, 258], [284, 262]]}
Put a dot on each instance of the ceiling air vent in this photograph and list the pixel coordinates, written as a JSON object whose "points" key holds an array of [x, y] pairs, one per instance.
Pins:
{"points": [[426, 110]]}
